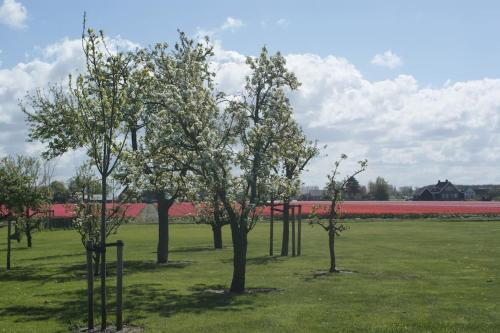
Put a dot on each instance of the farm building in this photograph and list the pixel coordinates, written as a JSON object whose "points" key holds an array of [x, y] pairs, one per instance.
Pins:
{"points": [[442, 191], [469, 194]]}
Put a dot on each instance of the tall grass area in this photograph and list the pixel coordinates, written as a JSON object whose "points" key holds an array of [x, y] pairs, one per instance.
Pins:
{"points": [[408, 276]]}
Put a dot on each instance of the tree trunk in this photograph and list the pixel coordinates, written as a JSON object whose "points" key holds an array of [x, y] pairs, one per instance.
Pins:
{"points": [[331, 245], [217, 225], [28, 236], [217, 231], [133, 136], [239, 258], [9, 229], [286, 228], [97, 261], [17, 232], [164, 205], [271, 229]]}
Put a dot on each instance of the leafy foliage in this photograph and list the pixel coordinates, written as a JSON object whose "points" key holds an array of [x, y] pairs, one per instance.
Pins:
{"points": [[25, 194], [87, 224], [379, 190]]}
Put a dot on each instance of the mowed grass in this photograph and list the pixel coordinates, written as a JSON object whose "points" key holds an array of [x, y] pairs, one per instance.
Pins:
{"points": [[407, 276]]}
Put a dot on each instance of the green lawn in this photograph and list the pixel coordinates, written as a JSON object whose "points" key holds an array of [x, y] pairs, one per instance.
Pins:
{"points": [[409, 276]]}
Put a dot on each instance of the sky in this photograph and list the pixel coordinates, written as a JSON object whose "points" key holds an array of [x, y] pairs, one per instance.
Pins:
{"points": [[414, 87]]}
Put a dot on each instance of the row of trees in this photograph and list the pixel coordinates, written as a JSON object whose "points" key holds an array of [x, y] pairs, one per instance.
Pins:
{"points": [[379, 189], [153, 119], [59, 192], [24, 197]]}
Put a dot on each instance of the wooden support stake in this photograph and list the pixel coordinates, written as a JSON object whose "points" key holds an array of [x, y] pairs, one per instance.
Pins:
{"points": [[90, 287], [271, 229], [299, 231], [119, 285], [104, 313], [293, 232]]}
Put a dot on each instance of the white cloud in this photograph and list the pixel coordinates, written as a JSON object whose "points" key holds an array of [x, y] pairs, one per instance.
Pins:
{"points": [[13, 14], [53, 64], [387, 59], [410, 133], [231, 23]]}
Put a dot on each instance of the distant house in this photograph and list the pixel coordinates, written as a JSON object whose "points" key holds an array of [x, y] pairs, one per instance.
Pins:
{"points": [[442, 191], [98, 198], [311, 193], [469, 194], [483, 194]]}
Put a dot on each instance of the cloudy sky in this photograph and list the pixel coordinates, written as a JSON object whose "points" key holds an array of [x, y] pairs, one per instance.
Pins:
{"points": [[414, 88]]}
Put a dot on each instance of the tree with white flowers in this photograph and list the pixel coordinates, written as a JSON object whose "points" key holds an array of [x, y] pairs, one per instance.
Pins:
{"points": [[176, 78], [235, 145], [88, 114]]}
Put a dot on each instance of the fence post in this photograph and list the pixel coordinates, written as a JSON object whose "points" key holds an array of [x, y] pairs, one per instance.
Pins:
{"points": [[119, 285], [271, 229], [293, 231], [90, 286], [299, 230]]}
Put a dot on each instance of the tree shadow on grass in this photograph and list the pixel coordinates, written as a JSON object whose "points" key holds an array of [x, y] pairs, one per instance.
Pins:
{"points": [[22, 274], [193, 249], [70, 311], [82, 255], [317, 274], [139, 301], [75, 272], [263, 260], [147, 298]]}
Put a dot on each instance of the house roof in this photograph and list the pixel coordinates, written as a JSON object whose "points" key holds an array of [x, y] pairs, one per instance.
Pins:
{"points": [[435, 189]]}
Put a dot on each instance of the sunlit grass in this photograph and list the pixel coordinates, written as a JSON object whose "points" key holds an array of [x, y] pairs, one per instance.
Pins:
{"points": [[412, 276]]}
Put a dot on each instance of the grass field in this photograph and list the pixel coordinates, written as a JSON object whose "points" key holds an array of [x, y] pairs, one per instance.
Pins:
{"points": [[409, 276]]}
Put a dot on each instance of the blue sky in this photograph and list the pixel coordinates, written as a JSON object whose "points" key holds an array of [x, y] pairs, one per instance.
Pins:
{"points": [[438, 40], [425, 71]]}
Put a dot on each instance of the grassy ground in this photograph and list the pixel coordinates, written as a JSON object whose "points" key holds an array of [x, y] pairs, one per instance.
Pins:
{"points": [[412, 276]]}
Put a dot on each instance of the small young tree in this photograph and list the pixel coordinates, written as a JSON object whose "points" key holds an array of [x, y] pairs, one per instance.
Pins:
{"points": [[89, 114], [30, 200], [87, 213], [12, 189], [211, 211], [335, 187], [86, 223]]}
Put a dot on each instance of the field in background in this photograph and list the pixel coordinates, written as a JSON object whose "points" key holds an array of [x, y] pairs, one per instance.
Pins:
{"points": [[417, 276], [361, 208]]}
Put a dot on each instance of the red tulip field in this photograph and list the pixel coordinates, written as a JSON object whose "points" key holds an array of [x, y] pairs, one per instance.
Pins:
{"points": [[356, 208]]}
